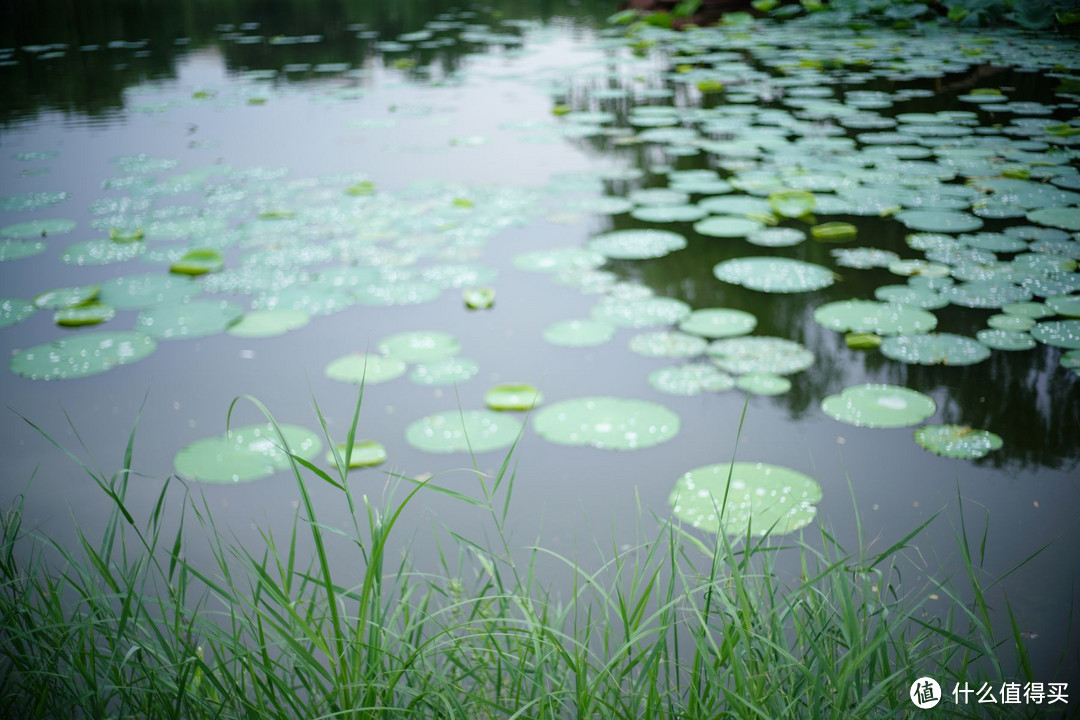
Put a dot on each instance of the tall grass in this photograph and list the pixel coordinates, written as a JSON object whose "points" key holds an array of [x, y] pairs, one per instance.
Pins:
{"points": [[676, 627]]}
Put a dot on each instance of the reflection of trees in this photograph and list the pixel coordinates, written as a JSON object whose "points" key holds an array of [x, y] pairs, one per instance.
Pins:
{"points": [[92, 82]]}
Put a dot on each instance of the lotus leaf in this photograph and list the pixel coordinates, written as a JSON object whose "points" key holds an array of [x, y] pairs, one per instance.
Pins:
{"points": [[879, 406], [268, 323], [719, 323], [776, 275], [691, 379], [791, 203], [100, 252], [607, 423], [365, 453], [640, 313], [198, 261], [514, 396], [957, 441], [865, 316], [1005, 339], [1066, 218], [579, 333], [67, 297], [1059, 333], [1067, 305], [37, 228], [19, 249], [1033, 310], [743, 497], [444, 371], [245, 453], [137, 292], [188, 320], [727, 226], [834, 231], [743, 355], [939, 220], [81, 355], [763, 383], [776, 237], [935, 349], [864, 258], [475, 431], [667, 343], [668, 213], [1019, 323], [365, 368], [420, 346], [559, 259], [89, 314], [908, 295], [862, 341], [15, 310], [637, 244]]}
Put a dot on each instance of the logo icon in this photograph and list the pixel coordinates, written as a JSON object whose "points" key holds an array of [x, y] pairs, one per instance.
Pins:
{"points": [[925, 693]]}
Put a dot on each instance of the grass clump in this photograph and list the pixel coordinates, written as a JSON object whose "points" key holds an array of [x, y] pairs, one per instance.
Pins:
{"points": [[676, 627]]}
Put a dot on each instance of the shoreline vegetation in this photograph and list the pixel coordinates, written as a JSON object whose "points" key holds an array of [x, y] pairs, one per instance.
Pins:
{"points": [[678, 626]]}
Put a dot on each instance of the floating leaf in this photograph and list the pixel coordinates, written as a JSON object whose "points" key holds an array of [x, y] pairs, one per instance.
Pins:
{"points": [[514, 396], [1066, 218], [939, 220], [365, 453], [478, 298], [15, 310], [579, 333], [81, 355], [1005, 339], [1059, 333], [19, 249], [100, 252], [89, 314], [1067, 305], [640, 313], [865, 316], [667, 343], [188, 320], [957, 441], [791, 203], [778, 356], [607, 423], [834, 231], [268, 323], [879, 406], [935, 349], [776, 237], [68, 297], [727, 226], [745, 497], [691, 379], [137, 292], [365, 368], [774, 275], [476, 431], [198, 262], [763, 383], [559, 259], [245, 453], [419, 346], [637, 244], [444, 371], [862, 341], [37, 228], [719, 323]]}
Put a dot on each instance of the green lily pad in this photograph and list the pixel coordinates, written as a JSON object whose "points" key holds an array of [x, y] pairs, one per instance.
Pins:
{"points": [[1067, 305], [100, 252], [514, 396], [864, 258], [763, 383], [637, 244], [667, 343], [719, 323], [727, 226], [365, 453], [691, 379], [268, 323], [459, 431], [365, 368], [420, 346], [776, 237], [834, 232], [579, 333], [745, 497], [559, 259], [1059, 333], [774, 275], [606, 422], [862, 341], [81, 355], [985, 294], [68, 297], [15, 310], [864, 316], [19, 249], [921, 297], [957, 441], [641, 312], [778, 356], [939, 220], [444, 371], [935, 349], [188, 320], [919, 268], [1033, 310], [308, 299], [1005, 339], [879, 406], [37, 228], [1066, 218], [1019, 323], [246, 453], [1070, 360], [137, 292], [90, 314], [791, 203], [198, 262], [667, 214], [478, 298]]}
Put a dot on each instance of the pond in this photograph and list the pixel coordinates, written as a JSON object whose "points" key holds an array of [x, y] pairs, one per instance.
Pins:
{"points": [[811, 246]]}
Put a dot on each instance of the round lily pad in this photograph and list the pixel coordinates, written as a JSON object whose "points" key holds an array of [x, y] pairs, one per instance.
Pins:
{"points": [[935, 349], [691, 379], [1020, 323], [137, 292], [81, 355], [743, 497], [68, 297], [641, 312], [579, 333], [667, 343], [37, 228], [460, 431], [245, 453], [514, 396], [637, 244], [985, 294], [939, 220], [478, 298], [864, 258], [1066, 218], [908, 295], [444, 371], [365, 368], [774, 355], [268, 323], [420, 346], [307, 299], [834, 231], [1067, 305], [667, 214], [606, 422], [879, 406], [19, 249], [82, 315], [774, 275], [559, 259], [727, 226], [776, 237], [15, 310], [101, 252], [791, 203], [957, 441], [760, 383], [1005, 339], [365, 453], [1059, 333], [188, 320], [865, 316], [719, 323], [1033, 310], [198, 261], [862, 341]]}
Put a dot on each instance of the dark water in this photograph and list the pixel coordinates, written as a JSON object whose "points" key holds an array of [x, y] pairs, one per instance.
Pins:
{"points": [[424, 121]]}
